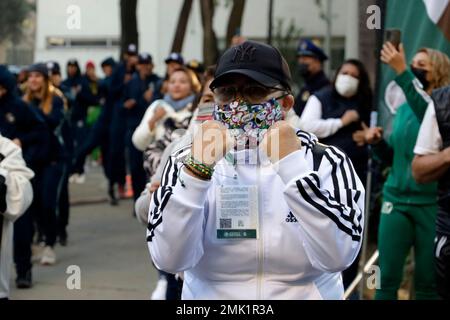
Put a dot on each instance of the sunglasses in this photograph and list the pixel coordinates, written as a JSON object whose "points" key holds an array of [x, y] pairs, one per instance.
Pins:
{"points": [[252, 93]]}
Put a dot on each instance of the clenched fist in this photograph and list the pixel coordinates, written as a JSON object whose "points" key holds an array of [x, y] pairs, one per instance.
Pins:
{"points": [[211, 143], [280, 141]]}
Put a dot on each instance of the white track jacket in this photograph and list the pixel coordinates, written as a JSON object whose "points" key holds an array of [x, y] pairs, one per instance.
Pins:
{"points": [[310, 227]]}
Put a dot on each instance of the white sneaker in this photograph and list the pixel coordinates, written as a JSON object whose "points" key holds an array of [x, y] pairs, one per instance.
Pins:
{"points": [[36, 252], [80, 179], [48, 256], [73, 177], [160, 291]]}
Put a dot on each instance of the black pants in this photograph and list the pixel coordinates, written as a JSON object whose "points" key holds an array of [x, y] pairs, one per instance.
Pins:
{"points": [[63, 204], [174, 286], [442, 258], [98, 137], [23, 237], [80, 134], [116, 159], [46, 199], [136, 166]]}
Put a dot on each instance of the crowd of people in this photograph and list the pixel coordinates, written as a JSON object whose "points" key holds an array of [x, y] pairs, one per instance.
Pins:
{"points": [[58, 123], [288, 225]]}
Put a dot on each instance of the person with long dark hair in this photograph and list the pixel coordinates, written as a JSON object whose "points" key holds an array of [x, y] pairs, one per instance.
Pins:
{"points": [[336, 114]]}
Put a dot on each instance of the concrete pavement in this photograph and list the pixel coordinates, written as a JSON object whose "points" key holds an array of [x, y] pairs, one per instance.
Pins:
{"points": [[106, 243]]}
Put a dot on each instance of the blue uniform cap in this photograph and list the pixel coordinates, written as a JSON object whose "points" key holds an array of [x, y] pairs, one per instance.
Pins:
{"points": [[145, 58], [176, 57], [53, 67], [310, 49]]}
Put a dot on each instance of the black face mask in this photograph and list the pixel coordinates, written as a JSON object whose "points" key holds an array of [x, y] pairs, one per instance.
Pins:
{"points": [[421, 75], [303, 70]]}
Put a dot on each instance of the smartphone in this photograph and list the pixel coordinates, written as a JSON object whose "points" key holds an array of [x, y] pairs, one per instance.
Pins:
{"points": [[394, 36]]}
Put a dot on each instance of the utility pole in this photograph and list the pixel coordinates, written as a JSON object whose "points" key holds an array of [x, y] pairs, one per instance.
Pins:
{"points": [[269, 28], [352, 30], [328, 21]]}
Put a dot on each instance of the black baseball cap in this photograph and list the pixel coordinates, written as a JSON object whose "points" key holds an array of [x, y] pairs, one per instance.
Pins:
{"points": [[73, 62], [132, 49], [53, 67], [258, 61], [175, 57], [145, 58]]}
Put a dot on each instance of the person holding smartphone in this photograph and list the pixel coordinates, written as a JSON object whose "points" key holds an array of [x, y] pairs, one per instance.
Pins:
{"points": [[409, 209]]}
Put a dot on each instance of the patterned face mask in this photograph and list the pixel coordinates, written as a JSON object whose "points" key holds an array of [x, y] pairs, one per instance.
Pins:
{"points": [[248, 122]]}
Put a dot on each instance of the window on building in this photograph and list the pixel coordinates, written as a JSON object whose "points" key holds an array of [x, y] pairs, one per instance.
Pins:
{"points": [[63, 42]]}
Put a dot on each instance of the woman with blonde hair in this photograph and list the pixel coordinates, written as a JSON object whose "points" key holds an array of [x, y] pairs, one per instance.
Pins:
{"points": [[47, 102], [409, 209]]}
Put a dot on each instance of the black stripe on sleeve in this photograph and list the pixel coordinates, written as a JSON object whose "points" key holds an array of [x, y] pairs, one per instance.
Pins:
{"points": [[344, 175], [326, 212], [337, 206]]}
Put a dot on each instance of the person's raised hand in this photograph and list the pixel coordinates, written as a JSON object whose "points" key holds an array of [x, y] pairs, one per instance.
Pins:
{"points": [[396, 59], [211, 143], [159, 113]]}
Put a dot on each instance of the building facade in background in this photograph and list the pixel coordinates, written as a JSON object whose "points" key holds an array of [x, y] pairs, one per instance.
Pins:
{"points": [[97, 35]]}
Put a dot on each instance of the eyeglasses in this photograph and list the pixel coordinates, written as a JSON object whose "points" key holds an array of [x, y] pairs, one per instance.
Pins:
{"points": [[250, 93]]}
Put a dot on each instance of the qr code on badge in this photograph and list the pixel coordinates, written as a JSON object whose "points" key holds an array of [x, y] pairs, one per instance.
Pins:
{"points": [[225, 223]]}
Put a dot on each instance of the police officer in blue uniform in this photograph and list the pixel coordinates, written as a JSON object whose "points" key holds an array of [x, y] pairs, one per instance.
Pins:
{"points": [[121, 76], [140, 92], [67, 139], [99, 134], [310, 59], [22, 125]]}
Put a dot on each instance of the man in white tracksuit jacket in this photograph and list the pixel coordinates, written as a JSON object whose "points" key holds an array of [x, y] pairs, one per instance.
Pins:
{"points": [[278, 224], [16, 195]]}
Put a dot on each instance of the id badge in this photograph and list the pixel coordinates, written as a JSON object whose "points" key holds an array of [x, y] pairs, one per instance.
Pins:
{"points": [[237, 212]]}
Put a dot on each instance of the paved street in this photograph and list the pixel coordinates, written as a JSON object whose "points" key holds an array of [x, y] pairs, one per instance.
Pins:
{"points": [[106, 243]]}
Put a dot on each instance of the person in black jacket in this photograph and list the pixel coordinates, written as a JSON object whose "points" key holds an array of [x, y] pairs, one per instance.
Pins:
{"points": [[48, 103], [67, 136], [336, 114], [140, 92], [310, 59], [87, 97], [99, 134], [121, 76], [19, 123], [24, 127]]}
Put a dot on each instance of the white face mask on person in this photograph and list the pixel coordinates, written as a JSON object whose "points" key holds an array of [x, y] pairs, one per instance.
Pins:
{"points": [[346, 85]]}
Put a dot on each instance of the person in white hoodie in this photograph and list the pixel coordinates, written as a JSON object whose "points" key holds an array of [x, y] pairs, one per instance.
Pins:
{"points": [[253, 208], [16, 195]]}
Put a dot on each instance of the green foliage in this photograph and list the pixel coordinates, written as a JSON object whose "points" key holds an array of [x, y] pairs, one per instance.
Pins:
{"points": [[12, 15], [286, 37]]}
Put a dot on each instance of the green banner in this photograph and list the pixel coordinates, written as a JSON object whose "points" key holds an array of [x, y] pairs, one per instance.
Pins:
{"points": [[236, 234], [423, 23]]}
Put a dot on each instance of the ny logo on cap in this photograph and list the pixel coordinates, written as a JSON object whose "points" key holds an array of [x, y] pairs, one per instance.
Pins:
{"points": [[244, 52]]}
